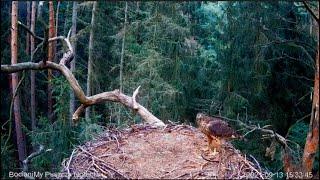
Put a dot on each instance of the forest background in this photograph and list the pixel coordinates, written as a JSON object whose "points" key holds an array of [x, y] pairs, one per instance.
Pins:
{"points": [[250, 61]]}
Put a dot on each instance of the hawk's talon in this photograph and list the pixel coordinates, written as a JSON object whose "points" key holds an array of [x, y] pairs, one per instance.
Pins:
{"points": [[215, 152], [205, 149]]}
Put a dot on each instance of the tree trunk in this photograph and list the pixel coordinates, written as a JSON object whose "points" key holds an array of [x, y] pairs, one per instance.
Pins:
{"points": [[51, 47], [137, 3], [122, 55], [73, 62], [14, 58], [66, 19], [122, 47], [56, 30], [57, 17], [312, 141], [28, 25], [40, 9], [90, 63], [32, 74]]}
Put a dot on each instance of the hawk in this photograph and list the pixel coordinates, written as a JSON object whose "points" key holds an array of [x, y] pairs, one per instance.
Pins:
{"points": [[217, 131]]}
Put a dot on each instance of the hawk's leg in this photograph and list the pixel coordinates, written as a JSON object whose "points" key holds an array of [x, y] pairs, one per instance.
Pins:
{"points": [[210, 139], [209, 143], [215, 146]]}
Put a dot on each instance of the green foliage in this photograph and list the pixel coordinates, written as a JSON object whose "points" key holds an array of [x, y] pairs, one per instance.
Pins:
{"points": [[89, 131], [234, 104], [7, 155], [297, 138], [61, 96], [60, 136]]}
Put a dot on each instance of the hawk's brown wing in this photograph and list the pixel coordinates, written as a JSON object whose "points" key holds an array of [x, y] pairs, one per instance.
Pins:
{"points": [[220, 128]]}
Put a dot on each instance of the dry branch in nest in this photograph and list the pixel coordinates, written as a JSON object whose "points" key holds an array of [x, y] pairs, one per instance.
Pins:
{"points": [[172, 152]]}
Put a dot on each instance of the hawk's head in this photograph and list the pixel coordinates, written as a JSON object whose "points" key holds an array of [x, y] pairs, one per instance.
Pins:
{"points": [[200, 115], [200, 118]]}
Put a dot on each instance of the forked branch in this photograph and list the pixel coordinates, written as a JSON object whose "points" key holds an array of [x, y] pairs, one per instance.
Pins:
{"points": [[113, 96], [31, 156], [268, 133], [29, 31]]}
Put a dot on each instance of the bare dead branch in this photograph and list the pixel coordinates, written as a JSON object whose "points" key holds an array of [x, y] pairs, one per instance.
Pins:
{"points": [[78, 112], [251, 167], [31, 156], [56, 38], [113, 96], [69, 174], [250, 132], [67, 58], [104, 163], [66, 40], [37, 48], [310, 11], [260, 169], [27, 66], [29, 31], [117, 96], [270, 133], [134, 102], [69, 33]]}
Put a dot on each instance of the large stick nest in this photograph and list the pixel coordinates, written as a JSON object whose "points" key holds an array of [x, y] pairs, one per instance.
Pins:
{"points": [[176, 151]]}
